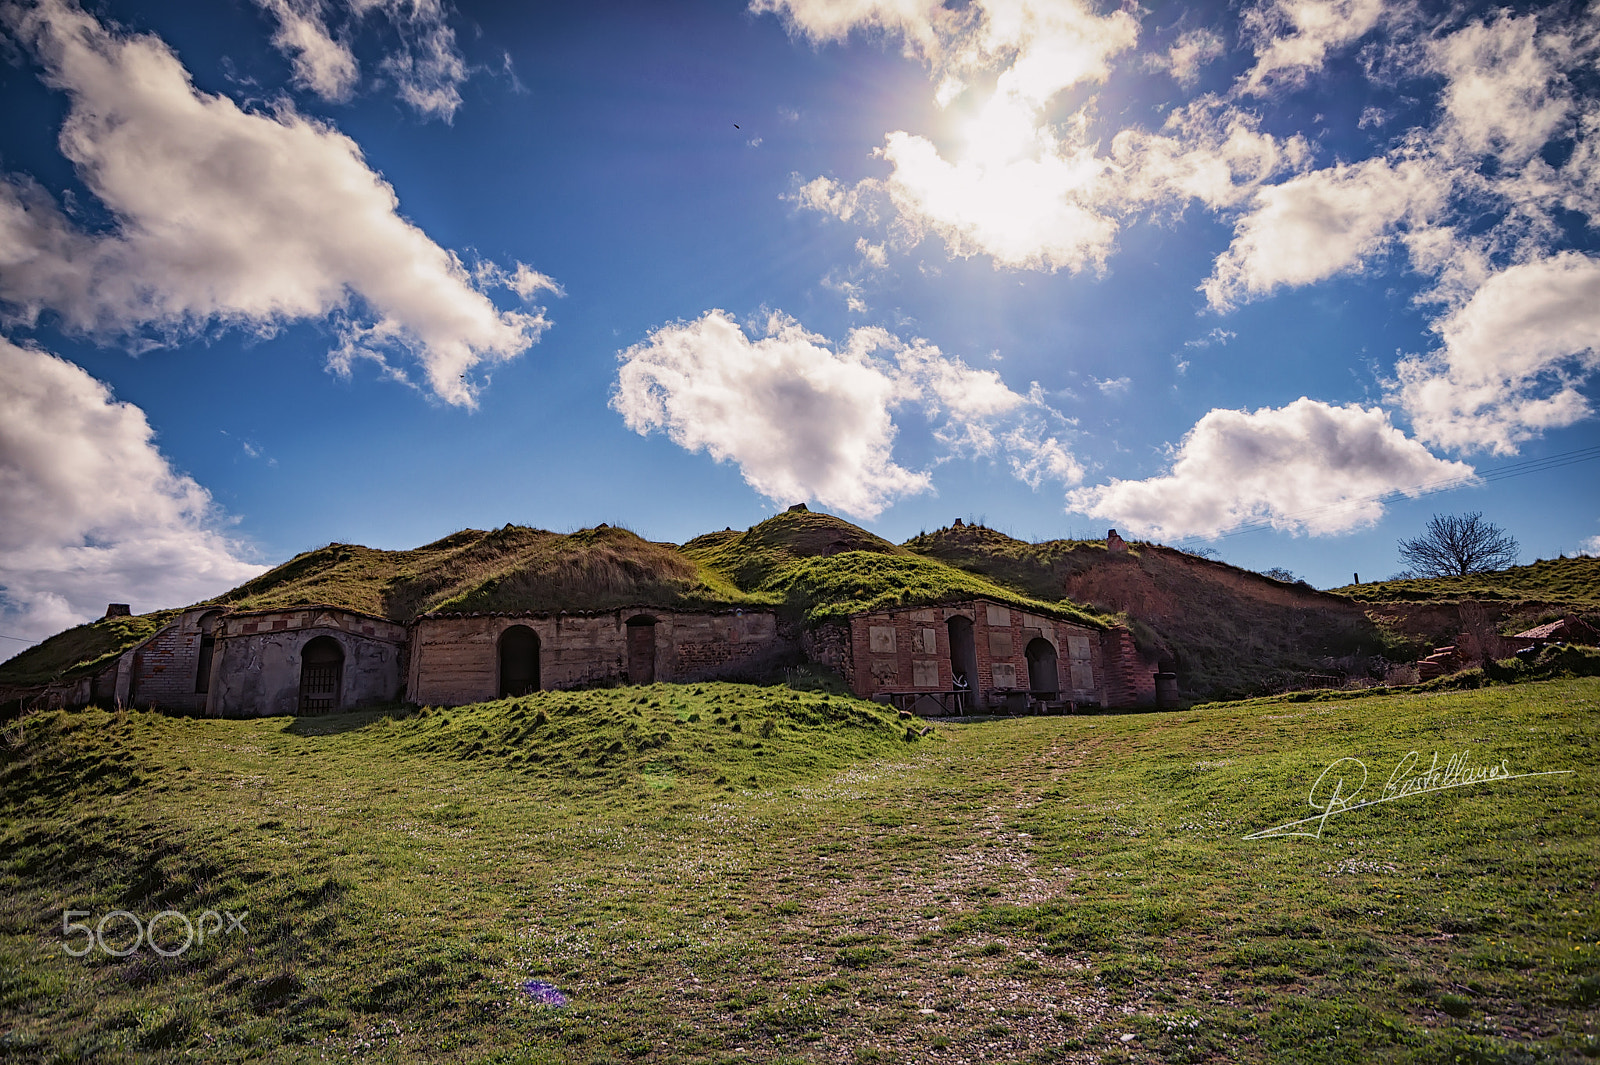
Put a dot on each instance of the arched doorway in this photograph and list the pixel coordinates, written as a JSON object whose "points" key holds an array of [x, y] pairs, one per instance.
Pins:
{"points": [[641, 649], [208, 647], [963, 660], [1043, 678], [321, 670], [519, 661]]}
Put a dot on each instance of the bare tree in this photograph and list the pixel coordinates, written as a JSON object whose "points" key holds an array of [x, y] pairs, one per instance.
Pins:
{"points": [[1455, 545]]}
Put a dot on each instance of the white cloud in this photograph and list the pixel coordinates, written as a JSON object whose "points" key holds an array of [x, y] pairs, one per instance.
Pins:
{"points": [[1512, 359], [226, 215], [805, 420], [321, 64], [1192, 51], [844, 202], [1322, 223], [1590, 547], [1294, 37], [1504, 93], [1306, 467], [801, 421], [94, 513], [915, 21], [1208, 150], [873, 256], [426, 68], [1113, 386], [1035, 211]]}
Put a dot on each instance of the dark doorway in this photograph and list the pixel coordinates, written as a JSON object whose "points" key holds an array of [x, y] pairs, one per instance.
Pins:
{"points": [[519, 661], [321, 669], [208, 647], [1043, 679], [641, 650], [963, 661]]}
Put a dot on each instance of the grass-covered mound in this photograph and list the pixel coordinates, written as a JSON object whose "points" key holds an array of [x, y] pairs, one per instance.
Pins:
{"points": [[1039, 570], [752, 558], [840, 585], [82, 649], [1570, 582], [666, 737], [511, 568], [1037, 889]]}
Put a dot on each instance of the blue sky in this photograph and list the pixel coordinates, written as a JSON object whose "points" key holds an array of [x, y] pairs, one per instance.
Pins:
{"points": [[275, 273]]}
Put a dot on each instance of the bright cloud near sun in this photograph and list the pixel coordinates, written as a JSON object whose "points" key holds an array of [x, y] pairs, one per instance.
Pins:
{"points": [[1470, 200], [94, 513], [229, 216], [807, 420], [1307, 467]]}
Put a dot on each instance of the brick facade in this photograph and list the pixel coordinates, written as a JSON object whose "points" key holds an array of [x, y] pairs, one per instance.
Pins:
{"points": [[1132, 676], [451, 659], [166, 668], [909, 650], [456, 658]]}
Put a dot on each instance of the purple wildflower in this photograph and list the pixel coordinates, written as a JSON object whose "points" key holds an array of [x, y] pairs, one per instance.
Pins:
{"points": [[545, 993]]}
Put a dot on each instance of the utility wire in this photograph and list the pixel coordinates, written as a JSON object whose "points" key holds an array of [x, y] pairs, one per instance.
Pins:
{"points": [[1417, 491]]}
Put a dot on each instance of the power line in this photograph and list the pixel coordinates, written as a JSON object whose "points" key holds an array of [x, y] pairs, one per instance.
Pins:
{"points": [[19, 639], [1417, 491]]}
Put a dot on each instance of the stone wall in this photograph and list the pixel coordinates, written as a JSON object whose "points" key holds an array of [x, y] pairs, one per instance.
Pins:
{"points": [[256, 663], [909, 650], [455, 659], [828, 644]]}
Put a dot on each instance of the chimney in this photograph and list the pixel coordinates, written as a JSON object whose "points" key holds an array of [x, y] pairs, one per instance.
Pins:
{"points": [[118, 610]]}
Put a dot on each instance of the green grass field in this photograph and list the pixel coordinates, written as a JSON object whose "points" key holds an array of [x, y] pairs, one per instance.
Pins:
{"points": [[727, 873]]}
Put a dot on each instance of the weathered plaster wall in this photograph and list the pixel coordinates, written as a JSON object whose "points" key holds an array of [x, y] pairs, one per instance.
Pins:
{"points": [[256, 670], [455, 659]]}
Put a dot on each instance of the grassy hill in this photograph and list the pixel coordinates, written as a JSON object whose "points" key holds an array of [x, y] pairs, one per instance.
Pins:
{"points": [[718, 872], [508, 568], [824, 567], [1573, 582], [81, 649], [751, 558], [1226, 631]]}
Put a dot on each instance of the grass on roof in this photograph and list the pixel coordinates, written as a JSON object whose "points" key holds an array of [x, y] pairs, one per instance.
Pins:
{"points": [[835, 587], [511, 568], [751, 558]]}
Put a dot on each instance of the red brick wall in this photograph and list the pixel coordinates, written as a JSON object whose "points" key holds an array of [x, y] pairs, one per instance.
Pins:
{"points": [[164, 668], [885, 648], [1132, 680]]}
